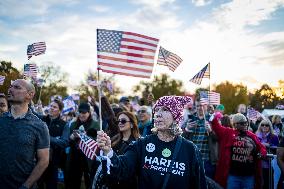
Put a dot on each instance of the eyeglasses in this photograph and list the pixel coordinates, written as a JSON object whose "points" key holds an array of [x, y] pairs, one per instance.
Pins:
{"points": [[265, 125], [242, 123], [122, 121], [142, 111]]}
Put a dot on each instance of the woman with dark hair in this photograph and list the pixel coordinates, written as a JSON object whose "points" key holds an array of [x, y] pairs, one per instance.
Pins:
{"points": [[161, 160], [128, 133], [226, 121], [59, 133], [79, 164]]}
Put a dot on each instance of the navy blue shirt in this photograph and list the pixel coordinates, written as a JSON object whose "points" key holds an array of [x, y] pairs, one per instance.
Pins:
{"points": [[150, 159], [19, 141]]}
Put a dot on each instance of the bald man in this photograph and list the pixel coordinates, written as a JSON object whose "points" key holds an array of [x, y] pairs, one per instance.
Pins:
{"points": [[24, 140]]}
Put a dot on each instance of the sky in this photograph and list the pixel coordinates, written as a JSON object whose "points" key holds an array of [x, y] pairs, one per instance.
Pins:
{"points": [[243, 39]]}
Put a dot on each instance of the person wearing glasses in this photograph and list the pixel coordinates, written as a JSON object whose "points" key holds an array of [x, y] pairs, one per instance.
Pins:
{"points": [[265, 134], [239, 164], [78, 163], [161, 160], [128, 133], [145, 124]]}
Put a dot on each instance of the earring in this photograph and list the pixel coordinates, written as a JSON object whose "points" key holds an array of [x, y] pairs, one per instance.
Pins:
{"points": [[131, 126]]}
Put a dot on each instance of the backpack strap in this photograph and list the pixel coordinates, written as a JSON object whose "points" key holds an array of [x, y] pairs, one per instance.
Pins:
{"points": [[169, 170]]}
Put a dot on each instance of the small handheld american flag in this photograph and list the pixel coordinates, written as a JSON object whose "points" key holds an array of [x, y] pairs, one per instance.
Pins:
{"points": [[87, 145], [36, 49], [252, 114], [2, 79]]}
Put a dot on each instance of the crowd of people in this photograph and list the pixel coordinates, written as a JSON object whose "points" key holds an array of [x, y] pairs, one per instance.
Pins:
{"points": [[171, 142]]}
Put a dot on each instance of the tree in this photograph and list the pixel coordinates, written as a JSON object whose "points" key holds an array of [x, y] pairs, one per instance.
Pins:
{"points": [[86, 90], [265, 97], [161, 85], [55, 83], [280, 91], [11, 73], [232, 95]]}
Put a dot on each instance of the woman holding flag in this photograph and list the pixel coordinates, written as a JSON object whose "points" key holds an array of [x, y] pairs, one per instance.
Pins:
{"points": [[161, 160], [128, 133]]}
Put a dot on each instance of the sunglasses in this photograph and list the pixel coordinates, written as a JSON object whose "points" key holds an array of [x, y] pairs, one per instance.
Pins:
{"points": [[265, 125], [122, 121], [142, 111], [242, 123]]}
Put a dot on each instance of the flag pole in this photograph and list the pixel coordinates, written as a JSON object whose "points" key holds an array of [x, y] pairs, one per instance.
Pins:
{"points": [[100, 100], [39, 96], [100, 93], [209, 77]]}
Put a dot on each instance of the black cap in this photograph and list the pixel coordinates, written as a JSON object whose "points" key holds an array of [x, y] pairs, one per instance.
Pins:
{"points": [[124, 99], [84, 107]]}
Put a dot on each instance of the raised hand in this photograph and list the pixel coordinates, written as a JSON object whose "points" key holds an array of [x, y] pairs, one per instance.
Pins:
{"points": [[104, 142]]}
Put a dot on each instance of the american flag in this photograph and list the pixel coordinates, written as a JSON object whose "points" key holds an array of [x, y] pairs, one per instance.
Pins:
{"points": [[252, 114], [214, 98], [92, 82], [36, 49], [88, 146], [204, 100], [39, 82], [126, 53], [209, 98], [169, 59], [204, 73], [75, 96], [2, 79], [30, 70]]}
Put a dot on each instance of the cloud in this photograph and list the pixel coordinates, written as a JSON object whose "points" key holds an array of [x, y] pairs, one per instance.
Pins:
{"points": [[151, 3], [240, 13], [9, 48], [20, 9], [153, 20], [99, 8], [200, 3]]}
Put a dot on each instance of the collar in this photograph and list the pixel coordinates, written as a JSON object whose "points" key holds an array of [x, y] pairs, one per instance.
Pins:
{"points": [[27, 115]]}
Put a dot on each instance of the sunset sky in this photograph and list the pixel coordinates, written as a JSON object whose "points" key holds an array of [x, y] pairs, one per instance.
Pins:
{"points": [[243, 40]]}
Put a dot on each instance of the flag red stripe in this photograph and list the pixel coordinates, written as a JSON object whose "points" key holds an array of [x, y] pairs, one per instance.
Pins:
{"points": [[139, 42], [125, 67], [123, 73], [139, 35], [137, 48], [136, 55], [125, 60]]}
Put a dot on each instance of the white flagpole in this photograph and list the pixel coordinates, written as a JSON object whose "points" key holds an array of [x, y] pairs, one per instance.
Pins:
{"points": [[100, 100], [100, 92], [209, 75]]}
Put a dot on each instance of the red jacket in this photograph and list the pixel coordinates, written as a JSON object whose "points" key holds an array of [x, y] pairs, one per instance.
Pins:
{"points": [[225, 138]]}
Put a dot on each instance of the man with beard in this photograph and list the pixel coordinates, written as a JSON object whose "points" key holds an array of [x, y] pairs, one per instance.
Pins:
{"points": [[24, 140]]}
